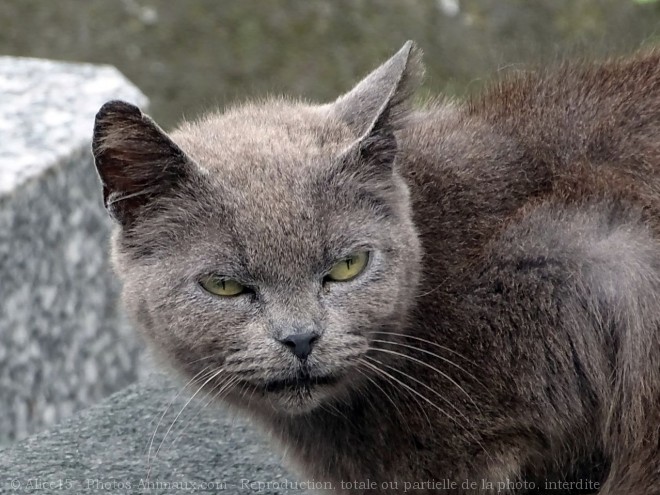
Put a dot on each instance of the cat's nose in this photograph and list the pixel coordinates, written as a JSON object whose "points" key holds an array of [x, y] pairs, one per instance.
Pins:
{"points": [[300, 343]]}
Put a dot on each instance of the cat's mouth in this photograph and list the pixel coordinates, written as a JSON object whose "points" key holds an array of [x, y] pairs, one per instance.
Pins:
{"points": [[296, 393], [300, 382]]}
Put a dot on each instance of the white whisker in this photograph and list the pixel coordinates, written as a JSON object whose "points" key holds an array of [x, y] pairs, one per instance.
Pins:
{"points": [[435, 344], [210, 356], [213, 376], [375, 384], [219, 389], [448, 361], [151, 442], [377, 370], [435, 392], [440, 372], [431, 403]]}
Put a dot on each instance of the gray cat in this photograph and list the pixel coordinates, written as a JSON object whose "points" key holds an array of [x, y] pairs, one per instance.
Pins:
{"points": [[461, 298]]}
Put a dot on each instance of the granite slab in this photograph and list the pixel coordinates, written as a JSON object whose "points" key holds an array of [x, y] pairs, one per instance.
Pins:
{"points": [[47, 112], [64, 343]]}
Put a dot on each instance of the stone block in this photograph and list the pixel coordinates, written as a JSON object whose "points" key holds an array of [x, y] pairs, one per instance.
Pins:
{"points": [[64, 343]]}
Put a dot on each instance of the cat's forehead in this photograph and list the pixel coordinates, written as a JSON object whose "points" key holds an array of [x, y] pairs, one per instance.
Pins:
{"points": [[265, 169], [270, 137]]}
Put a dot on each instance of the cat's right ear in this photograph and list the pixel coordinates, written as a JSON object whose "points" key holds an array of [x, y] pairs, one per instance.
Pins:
{"points": [[376, 108], [382, 99], [135, 159]]}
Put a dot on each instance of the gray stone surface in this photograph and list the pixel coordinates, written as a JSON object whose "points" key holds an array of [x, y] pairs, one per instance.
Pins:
{"points": [[48, 110], [63, 341], [105, 449]]}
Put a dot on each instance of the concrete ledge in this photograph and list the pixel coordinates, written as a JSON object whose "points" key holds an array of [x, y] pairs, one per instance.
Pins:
{"points": [[63, 341], [104, 450]]}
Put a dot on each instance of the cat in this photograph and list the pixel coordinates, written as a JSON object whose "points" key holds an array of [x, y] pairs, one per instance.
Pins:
{"points": [[455, 298]]}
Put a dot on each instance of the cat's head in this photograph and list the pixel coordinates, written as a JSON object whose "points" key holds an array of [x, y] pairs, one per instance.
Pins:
{"points": [[261, 248]]}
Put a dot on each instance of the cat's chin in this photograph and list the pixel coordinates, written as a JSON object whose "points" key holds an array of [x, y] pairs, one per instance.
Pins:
{"points": [[296, 399], [296, 402]]}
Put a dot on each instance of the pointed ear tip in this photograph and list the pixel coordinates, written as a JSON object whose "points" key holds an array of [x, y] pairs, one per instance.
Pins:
{"points": [[109, 116], [414, 69], [409, 45], [412, 54], [415, 54], [114, 108], [411, 49]]}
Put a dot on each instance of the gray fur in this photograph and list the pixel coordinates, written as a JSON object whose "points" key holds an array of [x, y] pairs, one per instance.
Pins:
{"points": [[507, 326]]}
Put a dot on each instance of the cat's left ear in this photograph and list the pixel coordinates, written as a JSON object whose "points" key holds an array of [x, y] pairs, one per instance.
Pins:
{"points": [[135, 160], [377, 106]]}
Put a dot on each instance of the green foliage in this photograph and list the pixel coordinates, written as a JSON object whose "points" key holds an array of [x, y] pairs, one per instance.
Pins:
{"points": [[191, 56]]}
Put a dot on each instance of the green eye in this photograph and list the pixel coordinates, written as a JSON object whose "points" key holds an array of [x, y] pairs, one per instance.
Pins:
{"points": [[349, 268], [222, 286]]}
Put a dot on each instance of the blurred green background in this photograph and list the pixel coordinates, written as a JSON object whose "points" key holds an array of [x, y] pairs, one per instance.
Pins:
{"points": [[188, 56]]}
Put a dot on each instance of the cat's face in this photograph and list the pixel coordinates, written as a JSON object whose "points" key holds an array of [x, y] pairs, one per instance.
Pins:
{"points": [[262, 249]]}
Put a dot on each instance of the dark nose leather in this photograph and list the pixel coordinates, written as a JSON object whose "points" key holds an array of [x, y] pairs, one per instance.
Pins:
{"points": [[300, 343]]}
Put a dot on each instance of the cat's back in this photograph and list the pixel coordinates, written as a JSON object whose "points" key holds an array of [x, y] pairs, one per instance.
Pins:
{"points": [[538, 206], [565, 138]]}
